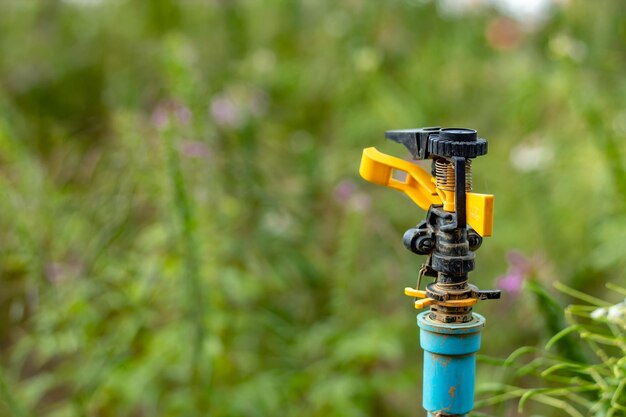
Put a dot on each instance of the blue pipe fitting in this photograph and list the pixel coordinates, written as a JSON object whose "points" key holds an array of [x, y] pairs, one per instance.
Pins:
{"points": [[449, 364]]}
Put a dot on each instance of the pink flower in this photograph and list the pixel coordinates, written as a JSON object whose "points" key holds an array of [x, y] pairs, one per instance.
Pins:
{"points": [[511, 283], [167, 110], [159, 117], [238, 105], [344, 190], [225, 112], [519, 269], [194, 149], [346, 194]]}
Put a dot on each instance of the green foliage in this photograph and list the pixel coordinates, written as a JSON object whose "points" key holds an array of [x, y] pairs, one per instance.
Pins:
{"points": [[555, 322], [577, 387], [183, 227]]}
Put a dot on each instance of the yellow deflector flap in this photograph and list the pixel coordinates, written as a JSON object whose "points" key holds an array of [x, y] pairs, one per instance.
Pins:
{"points": [[480, 213]]}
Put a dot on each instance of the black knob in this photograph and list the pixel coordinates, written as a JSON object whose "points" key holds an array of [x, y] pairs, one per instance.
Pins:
{"points": [[456, 141], [458, 134]]}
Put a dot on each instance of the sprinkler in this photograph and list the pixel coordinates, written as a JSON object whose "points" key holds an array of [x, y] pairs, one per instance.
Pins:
{"points": [[457, 219]]}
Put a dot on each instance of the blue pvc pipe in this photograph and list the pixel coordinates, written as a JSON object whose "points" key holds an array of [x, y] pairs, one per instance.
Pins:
{"points": [[449, 364]]}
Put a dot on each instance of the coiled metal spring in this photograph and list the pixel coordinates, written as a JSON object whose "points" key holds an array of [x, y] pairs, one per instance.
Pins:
{"points": [[444, 174]]}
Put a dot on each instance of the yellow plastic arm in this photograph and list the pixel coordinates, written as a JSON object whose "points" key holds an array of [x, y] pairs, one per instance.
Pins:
{"points": [[378, 168]]}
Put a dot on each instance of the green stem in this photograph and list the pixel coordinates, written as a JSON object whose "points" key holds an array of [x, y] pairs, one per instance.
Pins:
{"points": [[183, 207]]}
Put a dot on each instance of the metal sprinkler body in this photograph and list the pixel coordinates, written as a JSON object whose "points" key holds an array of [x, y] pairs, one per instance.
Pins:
{"points": [[456, 222]]}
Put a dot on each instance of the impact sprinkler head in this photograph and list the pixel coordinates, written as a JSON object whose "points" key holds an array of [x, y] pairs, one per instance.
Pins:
{"points": [[457, 218]]}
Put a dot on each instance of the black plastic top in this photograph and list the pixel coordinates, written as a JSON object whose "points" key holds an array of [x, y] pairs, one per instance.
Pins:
{"points": [[432, 142]]}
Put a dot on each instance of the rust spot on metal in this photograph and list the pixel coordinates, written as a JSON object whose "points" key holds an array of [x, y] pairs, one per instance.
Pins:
{"points": [[452, 391]]}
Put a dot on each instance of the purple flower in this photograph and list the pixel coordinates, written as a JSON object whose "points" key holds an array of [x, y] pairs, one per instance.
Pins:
{"points": [[344, 190], [237, 105], [345, 193], [519, 269], [194, 149], [511, 282], [159, 117], [225, 111], [519, 262], [165, 110]]}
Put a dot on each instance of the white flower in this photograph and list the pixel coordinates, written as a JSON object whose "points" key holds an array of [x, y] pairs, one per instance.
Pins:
{"points": [[598, 313], [617, 313], [528, 12], [529, 157]]}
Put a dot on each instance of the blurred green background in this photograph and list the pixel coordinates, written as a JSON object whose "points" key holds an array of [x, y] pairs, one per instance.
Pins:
{"points": [[183, 228]]}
